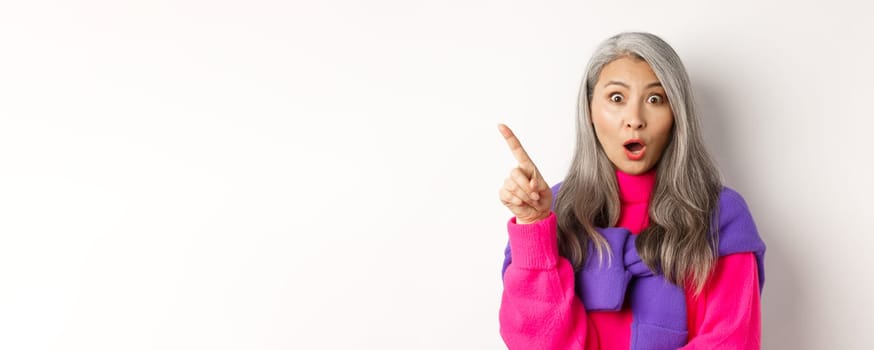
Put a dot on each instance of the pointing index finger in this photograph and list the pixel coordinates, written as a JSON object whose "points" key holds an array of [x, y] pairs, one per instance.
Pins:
{"points": [[515, 145]]}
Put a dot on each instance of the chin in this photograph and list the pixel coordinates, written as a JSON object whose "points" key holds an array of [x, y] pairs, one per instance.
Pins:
{"points": [[633, 168]]}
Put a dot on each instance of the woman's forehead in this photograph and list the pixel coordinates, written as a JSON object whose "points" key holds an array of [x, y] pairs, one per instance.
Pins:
{"points": [[628, 72]]}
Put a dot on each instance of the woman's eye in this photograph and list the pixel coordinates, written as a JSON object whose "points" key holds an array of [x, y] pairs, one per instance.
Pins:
{"points": [[616, 97], [654, 99]]}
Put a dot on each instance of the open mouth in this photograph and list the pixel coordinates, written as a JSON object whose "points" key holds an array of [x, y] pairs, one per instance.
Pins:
{"points": [[634, 149]]}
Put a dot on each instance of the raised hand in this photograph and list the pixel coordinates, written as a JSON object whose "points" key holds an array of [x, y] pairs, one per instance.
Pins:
{"points": [[525, 192]]}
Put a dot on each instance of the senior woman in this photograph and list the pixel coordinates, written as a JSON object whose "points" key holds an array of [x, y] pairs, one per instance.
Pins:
{"points": [[641, 246]]}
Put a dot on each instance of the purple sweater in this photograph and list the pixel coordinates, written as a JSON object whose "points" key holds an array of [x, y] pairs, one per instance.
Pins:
{"points": [[659, 307]]}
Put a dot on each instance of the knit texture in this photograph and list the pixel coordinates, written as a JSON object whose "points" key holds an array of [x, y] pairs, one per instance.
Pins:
{"points": [[657, 308]]}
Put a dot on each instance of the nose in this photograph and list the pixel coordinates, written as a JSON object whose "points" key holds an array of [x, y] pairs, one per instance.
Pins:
{"points": [[634, 121], [635, 124]]}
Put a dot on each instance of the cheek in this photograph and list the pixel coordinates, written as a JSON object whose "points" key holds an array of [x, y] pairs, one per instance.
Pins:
{"points": [[608, 116], [664, 129], [599, 120]]}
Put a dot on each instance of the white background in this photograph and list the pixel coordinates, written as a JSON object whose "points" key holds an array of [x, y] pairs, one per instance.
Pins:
{"points": [[324, 175]]}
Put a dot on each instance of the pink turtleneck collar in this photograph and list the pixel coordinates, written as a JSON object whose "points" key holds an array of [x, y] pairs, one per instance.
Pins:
{"points": [[635, 188], [634, 194]]}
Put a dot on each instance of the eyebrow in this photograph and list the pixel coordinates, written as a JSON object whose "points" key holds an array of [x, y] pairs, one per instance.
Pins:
{"points": [[614, 82]]}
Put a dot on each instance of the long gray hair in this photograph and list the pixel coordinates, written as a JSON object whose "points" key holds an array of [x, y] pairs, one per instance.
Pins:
{"points": [[677, 241]]}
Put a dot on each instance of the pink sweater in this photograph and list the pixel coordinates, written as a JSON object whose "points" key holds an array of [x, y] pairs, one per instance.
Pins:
{"points": [[539, 309]]}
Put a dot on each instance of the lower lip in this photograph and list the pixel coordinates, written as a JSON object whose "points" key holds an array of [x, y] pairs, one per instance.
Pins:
{"points": [[637, 156]]}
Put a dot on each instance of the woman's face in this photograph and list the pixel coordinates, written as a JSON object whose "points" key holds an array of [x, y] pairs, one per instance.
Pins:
{"points": [[631, 115]]}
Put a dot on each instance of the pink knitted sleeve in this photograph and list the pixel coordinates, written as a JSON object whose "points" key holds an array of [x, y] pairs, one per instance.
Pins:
{"points": [[732, 316], [539, 309]]}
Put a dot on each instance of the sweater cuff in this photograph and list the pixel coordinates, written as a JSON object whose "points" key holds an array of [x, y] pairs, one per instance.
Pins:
{"points": [[534, 245]]}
